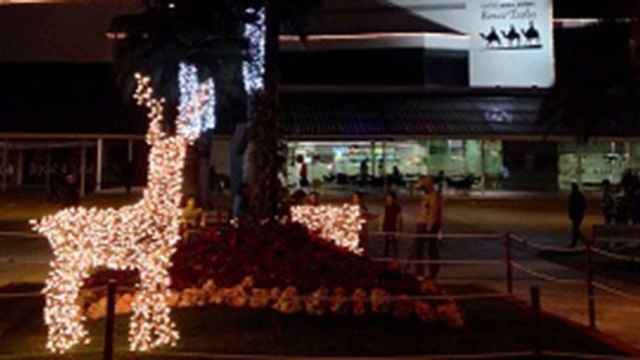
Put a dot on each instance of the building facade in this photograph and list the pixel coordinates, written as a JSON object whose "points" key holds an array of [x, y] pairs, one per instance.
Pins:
{"points": [[424, 86]]}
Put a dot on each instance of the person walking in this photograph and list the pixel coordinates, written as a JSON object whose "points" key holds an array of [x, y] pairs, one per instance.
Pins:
{"points": [[429, 222], [577, 209], [391, 223], [608, 203]]}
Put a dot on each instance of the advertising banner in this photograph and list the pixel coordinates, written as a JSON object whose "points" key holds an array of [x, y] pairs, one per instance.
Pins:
{"points": [[510, 41]]}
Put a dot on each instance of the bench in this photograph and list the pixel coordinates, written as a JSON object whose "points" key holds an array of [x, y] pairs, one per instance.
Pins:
{"points": [[616, 236]]}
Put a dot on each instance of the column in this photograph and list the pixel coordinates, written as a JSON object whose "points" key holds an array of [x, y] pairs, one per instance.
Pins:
{"points": [[483, 172], [579, 169], [373, 159], [130, 170], [5, 165], [130, 151], [627, 155], [47, 171], [83, 169], [384, 159], [20, 168], [385, 178], [99, 159]]}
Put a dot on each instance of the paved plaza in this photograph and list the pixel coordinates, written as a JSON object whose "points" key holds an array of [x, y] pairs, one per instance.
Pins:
{"points": [[539, 218]]}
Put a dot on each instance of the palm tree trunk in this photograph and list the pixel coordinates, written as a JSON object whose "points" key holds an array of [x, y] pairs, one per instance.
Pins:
{"points": [[272, 50], [267, 151]]}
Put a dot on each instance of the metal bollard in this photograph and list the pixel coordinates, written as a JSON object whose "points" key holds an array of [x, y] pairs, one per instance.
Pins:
{"points": [[537, 321], [109, 322], [509, 262], [591, 293]]}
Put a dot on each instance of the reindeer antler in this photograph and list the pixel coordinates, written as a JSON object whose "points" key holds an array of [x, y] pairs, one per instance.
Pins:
{"points": [[144, 97]]}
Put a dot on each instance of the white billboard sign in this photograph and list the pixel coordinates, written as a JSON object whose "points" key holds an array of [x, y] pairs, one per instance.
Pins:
{"points": [[510, 41]]}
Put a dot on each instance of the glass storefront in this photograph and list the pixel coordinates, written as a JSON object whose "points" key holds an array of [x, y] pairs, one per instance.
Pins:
{"points": [[599, 162], [456, 158]]}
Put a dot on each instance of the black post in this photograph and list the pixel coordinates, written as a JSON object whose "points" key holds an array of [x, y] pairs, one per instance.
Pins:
{"points": [[537, 321], [109, 322], [509, 263], [591, 293], [272, 48]]}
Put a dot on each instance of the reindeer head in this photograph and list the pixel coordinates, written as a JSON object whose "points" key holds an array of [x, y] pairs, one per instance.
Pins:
{"points": [[196, 111]]}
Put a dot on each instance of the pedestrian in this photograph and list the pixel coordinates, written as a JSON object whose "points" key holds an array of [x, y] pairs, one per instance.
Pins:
{"points": [[441, 179], [429, 222], [242, 204], [577, 209], [214, 180], [396, 176], [608, 203], [357, 200], [72, 192], [391, 223], [635, 206], [364, 171], [303, 173], [313, 199]]}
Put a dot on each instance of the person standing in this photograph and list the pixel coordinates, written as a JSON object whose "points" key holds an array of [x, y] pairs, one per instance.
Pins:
{"points": [[364, 172], [72, 193], [313, 199], [391, 223], [242, 204], [357, 200], [441, 179], [608, 203], [577, 209], [429, 222], [303, 173]]}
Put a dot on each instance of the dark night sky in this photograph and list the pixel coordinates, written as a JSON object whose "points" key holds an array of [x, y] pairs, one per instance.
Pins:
{"points": [[56, 33], [59, 33]]}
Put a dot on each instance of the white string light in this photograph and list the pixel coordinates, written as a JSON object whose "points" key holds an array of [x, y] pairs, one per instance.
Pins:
{"points": [[189, 86], [139, 237], [338, 224], [254, 69]]}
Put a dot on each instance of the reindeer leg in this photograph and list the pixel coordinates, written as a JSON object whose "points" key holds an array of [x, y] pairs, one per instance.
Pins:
{"points": [[62, 314], [151, 325]]}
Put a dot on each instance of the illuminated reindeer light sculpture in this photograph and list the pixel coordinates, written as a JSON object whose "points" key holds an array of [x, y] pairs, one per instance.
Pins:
{"points": [[139, 237]]}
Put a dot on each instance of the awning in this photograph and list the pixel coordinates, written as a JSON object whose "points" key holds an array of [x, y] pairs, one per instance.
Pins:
{"points": [[389, 114]]}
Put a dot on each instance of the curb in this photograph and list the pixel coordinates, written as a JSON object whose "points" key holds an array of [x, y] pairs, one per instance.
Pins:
{"points": [[619, 345]]}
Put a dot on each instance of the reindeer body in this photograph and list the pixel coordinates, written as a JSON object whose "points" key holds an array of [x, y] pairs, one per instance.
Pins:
{"points": [[139, 237]]}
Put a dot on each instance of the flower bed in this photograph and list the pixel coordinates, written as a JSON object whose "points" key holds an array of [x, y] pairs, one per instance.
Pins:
{"points": [[289, 270]]}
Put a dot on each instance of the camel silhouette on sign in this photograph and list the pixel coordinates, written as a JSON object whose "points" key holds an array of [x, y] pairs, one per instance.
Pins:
{"points": [[512, 36], [531, 34], [492, 37]]}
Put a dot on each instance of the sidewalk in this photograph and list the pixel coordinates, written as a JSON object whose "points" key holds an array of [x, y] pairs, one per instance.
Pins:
{"points": [[542, 219], [566, 297]]}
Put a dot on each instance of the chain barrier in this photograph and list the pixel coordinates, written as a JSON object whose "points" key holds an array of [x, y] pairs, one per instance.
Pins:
{"points": [[482, 356], [439, 236]]}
